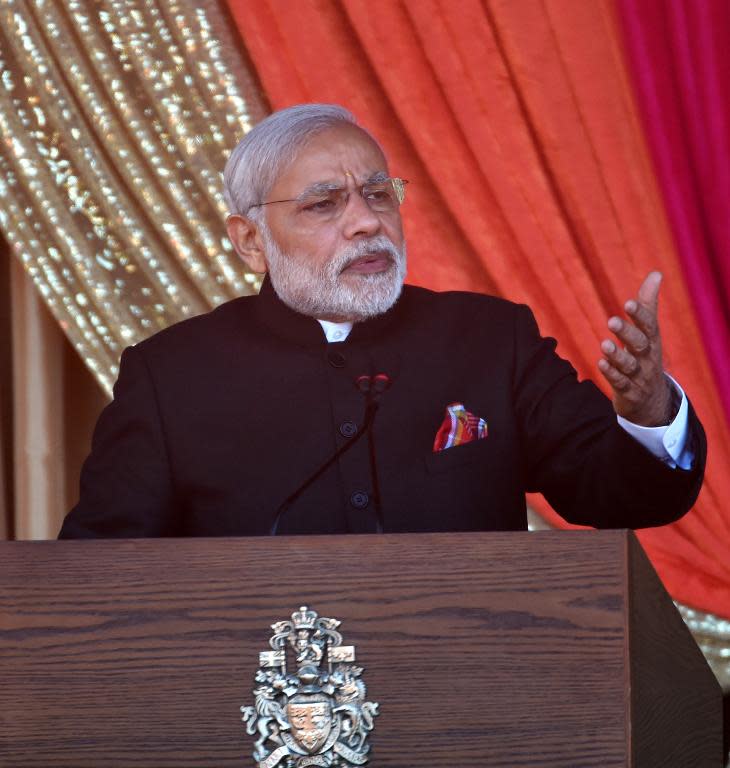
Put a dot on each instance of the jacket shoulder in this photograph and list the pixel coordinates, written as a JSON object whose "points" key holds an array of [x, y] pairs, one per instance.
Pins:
{"points": [[234, 317], [467, 306]]}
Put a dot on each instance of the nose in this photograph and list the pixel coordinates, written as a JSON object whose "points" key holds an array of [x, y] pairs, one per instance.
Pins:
{"points": [[357, 218]]}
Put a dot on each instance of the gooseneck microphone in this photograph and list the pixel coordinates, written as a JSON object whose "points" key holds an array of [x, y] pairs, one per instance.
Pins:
{"points": [[372, 387], [379, 384]]}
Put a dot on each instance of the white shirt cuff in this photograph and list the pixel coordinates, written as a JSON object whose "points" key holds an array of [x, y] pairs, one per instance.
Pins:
{"points": [[668, 443]]}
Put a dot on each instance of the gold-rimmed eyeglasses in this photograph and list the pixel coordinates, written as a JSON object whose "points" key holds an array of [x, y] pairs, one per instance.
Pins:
{"points": [[324, 202]]}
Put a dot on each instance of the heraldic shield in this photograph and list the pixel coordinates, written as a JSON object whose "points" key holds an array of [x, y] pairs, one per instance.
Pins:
{"points": [[312, 711]]}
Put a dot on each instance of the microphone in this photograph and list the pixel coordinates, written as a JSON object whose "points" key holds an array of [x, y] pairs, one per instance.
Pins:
{"points": [[379, 384], [371, 387], [364, 384]]}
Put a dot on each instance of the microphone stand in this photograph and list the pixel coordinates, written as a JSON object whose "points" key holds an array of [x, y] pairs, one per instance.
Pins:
{"points": [[363, 383]]}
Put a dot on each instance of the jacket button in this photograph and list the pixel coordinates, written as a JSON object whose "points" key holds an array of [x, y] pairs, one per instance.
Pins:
{"points": [[336, 359], [348, 429], [359, 499]]}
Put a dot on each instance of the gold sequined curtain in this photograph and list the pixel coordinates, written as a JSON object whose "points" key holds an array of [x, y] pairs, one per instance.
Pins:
{"points": [[116, 118]]}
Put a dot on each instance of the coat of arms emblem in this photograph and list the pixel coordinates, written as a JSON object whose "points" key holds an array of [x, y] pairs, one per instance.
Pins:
{"points": [[309, 698]]}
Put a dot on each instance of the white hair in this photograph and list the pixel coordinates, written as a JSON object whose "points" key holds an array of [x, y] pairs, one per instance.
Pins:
{"points": [[264, 152]]}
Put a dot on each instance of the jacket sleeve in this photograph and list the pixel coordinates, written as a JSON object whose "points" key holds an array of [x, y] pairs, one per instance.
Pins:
{"points": [[590, 470], [126, 487]]}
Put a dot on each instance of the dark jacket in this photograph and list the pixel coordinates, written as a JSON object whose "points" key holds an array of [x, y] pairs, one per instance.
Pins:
{"points": [[218, 419]]}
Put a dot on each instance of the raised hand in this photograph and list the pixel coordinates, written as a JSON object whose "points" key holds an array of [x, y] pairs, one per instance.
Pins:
{"points": [[635, 372]]}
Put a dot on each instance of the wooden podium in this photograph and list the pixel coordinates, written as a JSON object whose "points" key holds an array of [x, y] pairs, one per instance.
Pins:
{"points": [[501, 649]]}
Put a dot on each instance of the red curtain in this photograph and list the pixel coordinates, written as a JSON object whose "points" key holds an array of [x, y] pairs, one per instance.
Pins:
{"points": [[517, 126]]}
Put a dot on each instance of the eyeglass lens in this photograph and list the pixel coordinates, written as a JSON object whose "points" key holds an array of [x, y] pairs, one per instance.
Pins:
{"points": [[381, 197]]}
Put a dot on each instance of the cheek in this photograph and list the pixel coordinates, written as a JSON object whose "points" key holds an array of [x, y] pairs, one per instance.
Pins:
{"points": [[324, 247], [394, 230], [302, 245]]}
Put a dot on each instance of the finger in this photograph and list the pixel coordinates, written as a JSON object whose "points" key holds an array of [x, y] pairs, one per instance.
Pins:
{"points": [[644, 317], [619, 358], [613, 376], [649, 291], [637, 341]]}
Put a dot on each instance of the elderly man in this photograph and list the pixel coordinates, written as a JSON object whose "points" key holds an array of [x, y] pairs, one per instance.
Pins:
{"points": [[340, 401]]}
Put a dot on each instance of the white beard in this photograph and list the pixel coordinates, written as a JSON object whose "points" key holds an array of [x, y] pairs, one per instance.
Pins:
{"points": [[321, 293]]}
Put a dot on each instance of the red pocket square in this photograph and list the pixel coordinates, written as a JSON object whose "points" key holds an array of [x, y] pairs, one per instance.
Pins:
{"points": [[458, 427]]}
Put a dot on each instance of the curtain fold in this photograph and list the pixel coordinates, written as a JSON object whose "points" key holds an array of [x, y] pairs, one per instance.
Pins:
{"points": [[680, 60], [49, 404], [6, 396], [39, 480], [118, 117], [517, 124], [5, 493]]}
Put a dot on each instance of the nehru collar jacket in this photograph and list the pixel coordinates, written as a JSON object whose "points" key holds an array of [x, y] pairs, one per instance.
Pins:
{"points": [[217, 420]]}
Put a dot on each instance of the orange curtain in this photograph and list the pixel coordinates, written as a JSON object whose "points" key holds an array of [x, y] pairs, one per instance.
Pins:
{"points": [[517, 126]]}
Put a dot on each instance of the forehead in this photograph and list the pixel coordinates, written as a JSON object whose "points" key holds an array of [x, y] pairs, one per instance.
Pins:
{"points": [[327, 156]]}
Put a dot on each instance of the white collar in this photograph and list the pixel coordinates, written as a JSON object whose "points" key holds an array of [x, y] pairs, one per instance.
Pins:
{"points": [[335, 331]]}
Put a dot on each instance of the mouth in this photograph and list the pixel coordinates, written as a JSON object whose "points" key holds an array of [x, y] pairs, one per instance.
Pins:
{"points": [[379, 261]]}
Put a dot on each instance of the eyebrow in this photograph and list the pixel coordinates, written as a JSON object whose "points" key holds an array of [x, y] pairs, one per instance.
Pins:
{"points": [[323, 187], [319, 188], [378, 176]]}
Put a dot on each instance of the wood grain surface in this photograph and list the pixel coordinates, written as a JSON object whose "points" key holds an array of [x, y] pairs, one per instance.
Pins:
{"points": [[482, 649], [673, 690]]}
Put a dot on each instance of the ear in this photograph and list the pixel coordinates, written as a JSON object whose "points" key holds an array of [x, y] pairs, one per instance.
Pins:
{"points": [[246, 239]]}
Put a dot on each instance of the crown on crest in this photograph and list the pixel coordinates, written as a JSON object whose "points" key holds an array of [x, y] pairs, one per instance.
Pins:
{"points": [[304, 618]]}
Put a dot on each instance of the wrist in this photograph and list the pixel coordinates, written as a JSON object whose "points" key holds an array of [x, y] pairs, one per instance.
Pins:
{"points": [[659, 411], [675, 401], [666, 408]]}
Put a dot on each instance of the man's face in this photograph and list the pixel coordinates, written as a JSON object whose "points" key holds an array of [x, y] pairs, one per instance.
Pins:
{"points": [[346, 268]]}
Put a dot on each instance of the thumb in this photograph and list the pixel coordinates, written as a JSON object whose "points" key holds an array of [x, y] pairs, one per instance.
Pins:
{"points": [[649, 291]]}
